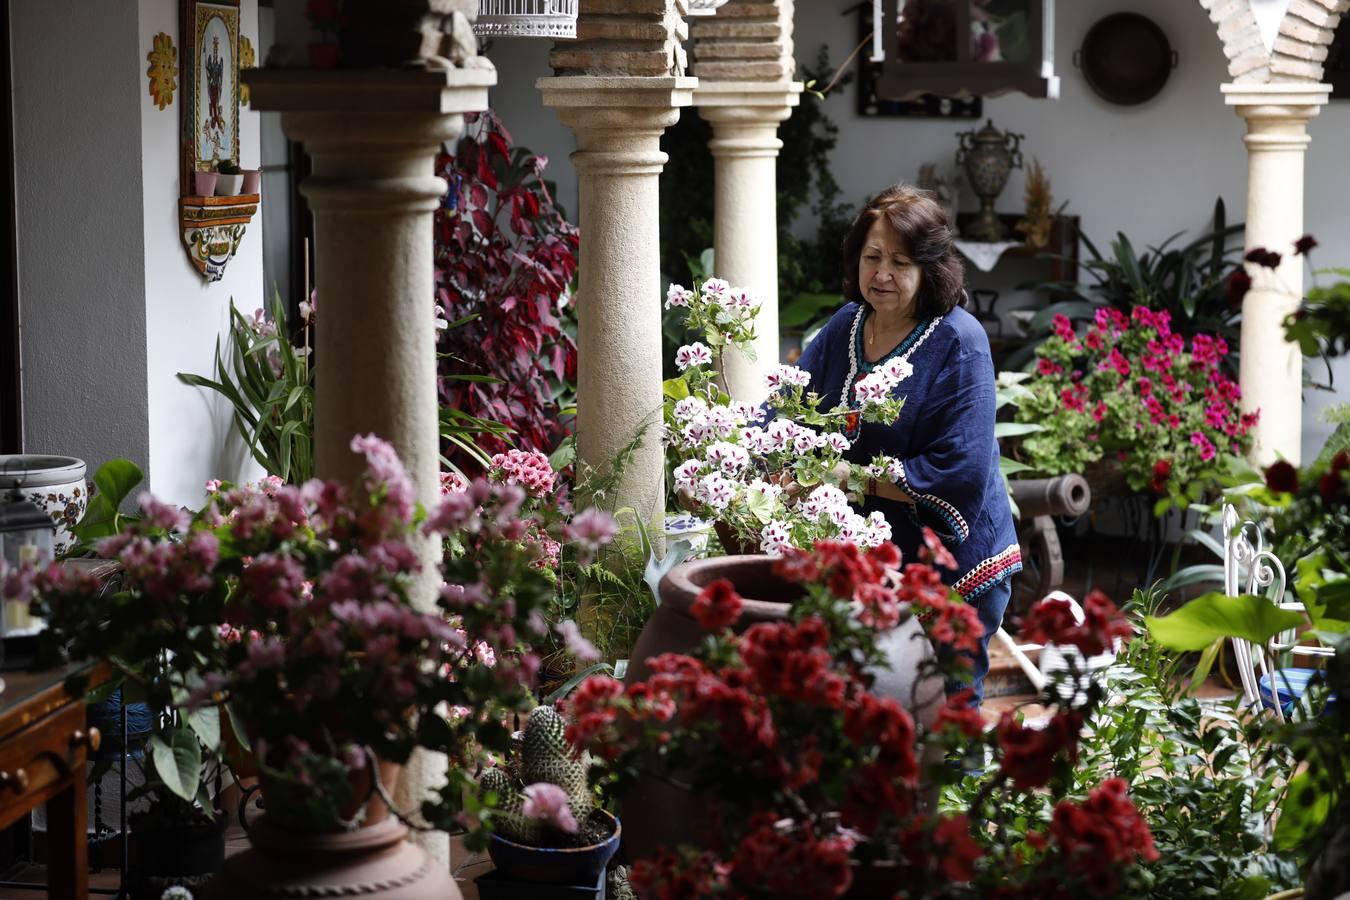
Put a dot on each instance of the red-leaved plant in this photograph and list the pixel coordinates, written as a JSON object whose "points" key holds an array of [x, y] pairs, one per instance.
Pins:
{"points": [[504, 256], [811, 779]]}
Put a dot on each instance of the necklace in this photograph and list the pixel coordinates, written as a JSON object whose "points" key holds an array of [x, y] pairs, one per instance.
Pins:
{"points": [[872, 338]]}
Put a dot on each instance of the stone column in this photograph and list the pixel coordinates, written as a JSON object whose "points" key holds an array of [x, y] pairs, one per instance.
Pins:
{"points": [[745, 116], [618, 121], [1272, 370], [373, 136]]}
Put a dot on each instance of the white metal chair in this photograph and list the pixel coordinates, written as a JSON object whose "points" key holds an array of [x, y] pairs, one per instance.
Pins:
{"points": [[1250, 568]]}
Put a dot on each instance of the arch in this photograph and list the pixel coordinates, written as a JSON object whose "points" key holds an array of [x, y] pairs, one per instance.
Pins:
{"points": [[1301, 42], [1305, 35]]}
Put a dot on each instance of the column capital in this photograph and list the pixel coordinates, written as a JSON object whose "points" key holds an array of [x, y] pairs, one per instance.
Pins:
{"points": [[770, 96], [618, 120], [617, 91], [1287, 100]]}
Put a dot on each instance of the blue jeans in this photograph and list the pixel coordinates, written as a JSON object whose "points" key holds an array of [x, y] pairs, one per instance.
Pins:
{"points": [[991, 606]]}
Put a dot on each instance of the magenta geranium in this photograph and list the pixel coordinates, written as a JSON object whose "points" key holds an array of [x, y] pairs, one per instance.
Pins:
{"points": [[1131, 392], [293, 609]]}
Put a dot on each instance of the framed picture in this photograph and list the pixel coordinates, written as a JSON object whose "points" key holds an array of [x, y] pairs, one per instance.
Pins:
{"points": [[209, 84]]}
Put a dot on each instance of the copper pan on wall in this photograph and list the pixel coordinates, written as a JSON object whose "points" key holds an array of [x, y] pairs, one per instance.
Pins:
{"points": [[1126, 58]]}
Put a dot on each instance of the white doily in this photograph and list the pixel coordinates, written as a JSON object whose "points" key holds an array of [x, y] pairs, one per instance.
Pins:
{"points": [[985, 254]]}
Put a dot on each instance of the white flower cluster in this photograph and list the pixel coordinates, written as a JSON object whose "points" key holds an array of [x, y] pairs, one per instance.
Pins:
{"points": [[786, 376], [697, 423], [875, 388], [887, 467], [715, 291], [826, 508], [695, 354]]}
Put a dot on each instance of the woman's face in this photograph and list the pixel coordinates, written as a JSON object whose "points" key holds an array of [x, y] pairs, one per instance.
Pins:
{"points": [[887, 276]]}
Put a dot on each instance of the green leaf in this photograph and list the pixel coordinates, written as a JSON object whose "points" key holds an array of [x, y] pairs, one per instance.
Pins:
{"points": [[1016, 429], [178, 761], [116, 479], [1203, 667], [675, 388], [1304, 810], [237, 728], [760, 505], [1212, 616], [205, 722]]}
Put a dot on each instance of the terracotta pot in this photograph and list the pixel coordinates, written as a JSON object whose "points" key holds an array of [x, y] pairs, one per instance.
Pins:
{"points": [[366, 805], [204, 183], [734, 545], [375, 861], [658, 814]]}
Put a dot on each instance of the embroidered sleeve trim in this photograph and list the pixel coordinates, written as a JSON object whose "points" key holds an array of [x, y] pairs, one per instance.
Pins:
{"points": [[989, 573], [950, 516]]}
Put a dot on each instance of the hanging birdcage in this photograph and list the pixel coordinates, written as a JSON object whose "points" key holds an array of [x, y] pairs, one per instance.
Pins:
{"points": [[705, 7], [527, 18]]}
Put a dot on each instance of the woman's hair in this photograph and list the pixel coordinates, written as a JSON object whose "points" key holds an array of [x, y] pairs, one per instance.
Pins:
{"points": [[921, 222]]}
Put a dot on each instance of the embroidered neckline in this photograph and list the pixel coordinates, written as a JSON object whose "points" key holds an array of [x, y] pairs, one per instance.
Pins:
{"points": [[901, 349], [855, 360]]}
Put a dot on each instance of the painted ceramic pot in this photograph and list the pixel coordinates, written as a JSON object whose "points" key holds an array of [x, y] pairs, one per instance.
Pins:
{"points": [[252, 181], [54, 483], [689, 528]]}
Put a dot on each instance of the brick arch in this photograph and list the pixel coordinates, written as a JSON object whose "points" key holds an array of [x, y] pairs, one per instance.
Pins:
{"points": [[1301, 43], [1304, 37]]}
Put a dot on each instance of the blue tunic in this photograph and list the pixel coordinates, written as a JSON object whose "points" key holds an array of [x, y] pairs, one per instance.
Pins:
{"points": [[944, 440]]}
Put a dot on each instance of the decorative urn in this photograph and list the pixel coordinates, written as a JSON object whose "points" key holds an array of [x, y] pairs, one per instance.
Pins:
{"points": [[988, 156]]}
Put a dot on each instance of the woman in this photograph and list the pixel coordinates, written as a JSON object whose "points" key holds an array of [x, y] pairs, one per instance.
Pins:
{"points": [[904, 281]]}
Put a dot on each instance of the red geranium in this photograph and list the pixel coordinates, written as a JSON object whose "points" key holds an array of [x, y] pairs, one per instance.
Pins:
{"points": [[1282, 476], [1103, 833], [1052, 622], [1029, 753], [718, 606]]}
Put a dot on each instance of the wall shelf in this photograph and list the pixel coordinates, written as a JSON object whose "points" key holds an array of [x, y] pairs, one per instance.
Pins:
{"points": [[213, 227]]}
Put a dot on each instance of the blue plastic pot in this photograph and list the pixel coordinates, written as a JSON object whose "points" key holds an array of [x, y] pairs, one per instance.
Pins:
{"points": [[541, 865]]}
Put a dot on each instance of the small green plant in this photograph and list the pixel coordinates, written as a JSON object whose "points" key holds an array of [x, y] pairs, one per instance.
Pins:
{"points": [[270, 384], [228, 167], [547, 759]]}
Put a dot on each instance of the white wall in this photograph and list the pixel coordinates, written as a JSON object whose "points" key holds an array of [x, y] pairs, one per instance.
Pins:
{"points": [[191, 434], [1149, 171], [78, 173], [110, 308]]}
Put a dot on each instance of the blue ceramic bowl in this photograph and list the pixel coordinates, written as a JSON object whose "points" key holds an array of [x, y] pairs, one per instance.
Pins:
{"points": [[579, 865]]}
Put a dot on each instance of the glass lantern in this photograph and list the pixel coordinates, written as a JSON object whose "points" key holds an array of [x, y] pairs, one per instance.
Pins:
{"points": [[962, 48], [27, 535]]}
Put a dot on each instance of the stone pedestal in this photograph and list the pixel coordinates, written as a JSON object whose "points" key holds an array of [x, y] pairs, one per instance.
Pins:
{"points": [[373, 136], [1272, 370], [618, 123], [745, 116]]}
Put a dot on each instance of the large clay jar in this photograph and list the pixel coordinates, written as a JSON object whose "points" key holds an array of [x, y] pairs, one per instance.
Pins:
{"points": [[375, 862], [658, 814]]}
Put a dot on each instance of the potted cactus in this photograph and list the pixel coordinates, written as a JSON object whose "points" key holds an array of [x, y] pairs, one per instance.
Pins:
{"points": [[548, 832]]}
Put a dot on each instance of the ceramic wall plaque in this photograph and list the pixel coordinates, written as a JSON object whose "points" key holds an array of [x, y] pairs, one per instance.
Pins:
{"points": [[210, 85]]}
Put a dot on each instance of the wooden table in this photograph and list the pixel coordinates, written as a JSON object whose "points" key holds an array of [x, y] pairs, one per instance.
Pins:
{"points": [[44, 741]]}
